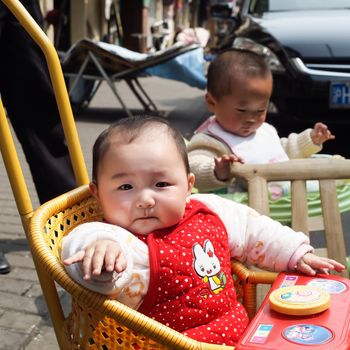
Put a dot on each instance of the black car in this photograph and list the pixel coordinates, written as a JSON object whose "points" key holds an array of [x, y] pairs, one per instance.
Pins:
{"points": [[307, 45]]}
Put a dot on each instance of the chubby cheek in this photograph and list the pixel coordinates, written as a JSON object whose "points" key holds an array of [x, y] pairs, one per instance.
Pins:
{"points": [[115, 214], [261, 120], [174, 213]]}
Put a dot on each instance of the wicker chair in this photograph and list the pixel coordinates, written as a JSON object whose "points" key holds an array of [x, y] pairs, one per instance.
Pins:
{"points": [[96, 322]]}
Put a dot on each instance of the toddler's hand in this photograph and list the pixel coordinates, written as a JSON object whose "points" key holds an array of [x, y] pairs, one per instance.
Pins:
{"points": [[310, 264], [223, 164], [99, 255], [321, 134]]}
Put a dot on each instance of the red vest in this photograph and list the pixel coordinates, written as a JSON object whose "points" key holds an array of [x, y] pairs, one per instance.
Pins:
{"points": [[190, 278]]}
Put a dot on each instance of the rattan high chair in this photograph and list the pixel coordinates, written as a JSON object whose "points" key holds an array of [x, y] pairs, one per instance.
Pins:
{"points": [[94, 321]]}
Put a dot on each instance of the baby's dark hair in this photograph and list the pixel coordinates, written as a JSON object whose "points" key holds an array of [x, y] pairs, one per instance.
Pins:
{"points": [[231, 63], [129, 129]]}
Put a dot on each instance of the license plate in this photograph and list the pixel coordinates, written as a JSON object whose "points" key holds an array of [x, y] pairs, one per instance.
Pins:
{"points": [[339, 95]]}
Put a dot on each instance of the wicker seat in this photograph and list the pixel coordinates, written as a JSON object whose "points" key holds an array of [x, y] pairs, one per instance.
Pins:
{"points": [[95, 322]]}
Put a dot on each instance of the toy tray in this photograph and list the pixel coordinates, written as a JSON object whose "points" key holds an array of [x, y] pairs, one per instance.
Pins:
{"points": [[326, 330]]}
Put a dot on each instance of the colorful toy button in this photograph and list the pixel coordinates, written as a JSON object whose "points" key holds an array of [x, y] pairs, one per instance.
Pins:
{"points": [[299, 300], [330, 286], [307, 334]]}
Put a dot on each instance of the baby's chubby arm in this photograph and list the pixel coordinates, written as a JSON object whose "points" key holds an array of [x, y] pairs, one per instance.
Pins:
{"points": [[202, 150], [99, 255], [258, 240], [108, 259]]}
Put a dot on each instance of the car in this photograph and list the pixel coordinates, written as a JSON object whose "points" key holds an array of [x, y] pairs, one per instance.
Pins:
{"points": [[306, 44]]}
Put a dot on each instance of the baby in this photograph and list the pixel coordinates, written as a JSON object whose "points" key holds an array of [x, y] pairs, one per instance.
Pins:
{"points": [[239, 88], [166, 252]]}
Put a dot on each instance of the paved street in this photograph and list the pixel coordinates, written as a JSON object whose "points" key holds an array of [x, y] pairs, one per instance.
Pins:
{"points": [[24, 322]]}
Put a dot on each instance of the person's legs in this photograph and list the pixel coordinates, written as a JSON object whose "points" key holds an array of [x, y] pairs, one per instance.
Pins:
{"points": [[29, 100]]}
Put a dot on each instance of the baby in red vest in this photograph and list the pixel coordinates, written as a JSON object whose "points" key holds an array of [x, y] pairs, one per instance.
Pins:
{"points": [[166, 252]]}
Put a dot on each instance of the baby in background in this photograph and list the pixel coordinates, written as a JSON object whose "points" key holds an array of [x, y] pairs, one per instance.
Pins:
{"points": [[166, 252], [239, 88]]}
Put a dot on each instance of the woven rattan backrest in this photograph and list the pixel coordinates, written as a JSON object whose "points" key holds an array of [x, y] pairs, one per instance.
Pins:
{"points": [[94, 321], [61, 223], [87, 327], [326, 170]]}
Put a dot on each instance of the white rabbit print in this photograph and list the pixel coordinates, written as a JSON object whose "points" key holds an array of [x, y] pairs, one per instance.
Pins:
{"points": [[207, 266]]}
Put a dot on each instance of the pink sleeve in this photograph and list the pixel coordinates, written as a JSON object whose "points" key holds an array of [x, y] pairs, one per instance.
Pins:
{"points": [[298, 254]]}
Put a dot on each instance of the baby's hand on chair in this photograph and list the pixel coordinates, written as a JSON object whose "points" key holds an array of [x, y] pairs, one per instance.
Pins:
{"points": [[320, 134], [98, 256], [223, 166], [310, 264]]}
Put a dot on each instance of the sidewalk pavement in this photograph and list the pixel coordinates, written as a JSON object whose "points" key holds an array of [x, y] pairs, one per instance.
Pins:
{"points": [[24, 320]]}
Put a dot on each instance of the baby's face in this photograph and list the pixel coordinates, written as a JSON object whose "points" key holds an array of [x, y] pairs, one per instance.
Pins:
{"points": [[143, 186], [244, 111]]}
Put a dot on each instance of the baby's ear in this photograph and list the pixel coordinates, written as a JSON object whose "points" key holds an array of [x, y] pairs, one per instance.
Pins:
{"points": [[190, 180], [210, 101], [93, 189]]}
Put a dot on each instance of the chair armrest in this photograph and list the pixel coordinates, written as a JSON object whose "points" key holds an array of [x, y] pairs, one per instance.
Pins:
{"points": [[249, 280], [253, 277]]}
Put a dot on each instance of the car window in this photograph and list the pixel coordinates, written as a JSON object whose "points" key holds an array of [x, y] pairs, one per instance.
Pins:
{"points": [[260, 6]]}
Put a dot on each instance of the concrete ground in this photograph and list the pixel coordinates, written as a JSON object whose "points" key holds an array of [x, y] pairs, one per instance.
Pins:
{"points": [[24, 321]]}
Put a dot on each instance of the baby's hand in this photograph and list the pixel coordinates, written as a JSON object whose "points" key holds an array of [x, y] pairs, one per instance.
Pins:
{"points": [[321, 134], [99, 255], [310, 264], [223, 164]]}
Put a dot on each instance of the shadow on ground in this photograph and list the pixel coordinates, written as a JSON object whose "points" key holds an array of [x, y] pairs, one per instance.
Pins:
{"points": [[186, 121]]}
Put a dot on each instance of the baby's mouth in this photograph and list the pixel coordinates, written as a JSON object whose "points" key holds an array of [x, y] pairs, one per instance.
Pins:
{"points": [[146, 218]]}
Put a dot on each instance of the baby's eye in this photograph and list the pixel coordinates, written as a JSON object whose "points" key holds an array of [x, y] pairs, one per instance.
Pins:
{"points": [[241, 110], [125, 187], [162, 184]]}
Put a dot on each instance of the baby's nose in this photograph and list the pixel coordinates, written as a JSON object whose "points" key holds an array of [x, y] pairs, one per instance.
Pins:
{"points": [[145, 200], [252, 117]]}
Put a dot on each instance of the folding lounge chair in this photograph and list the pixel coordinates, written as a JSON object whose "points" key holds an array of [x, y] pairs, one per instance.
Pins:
{"points": [[99, 61]]}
